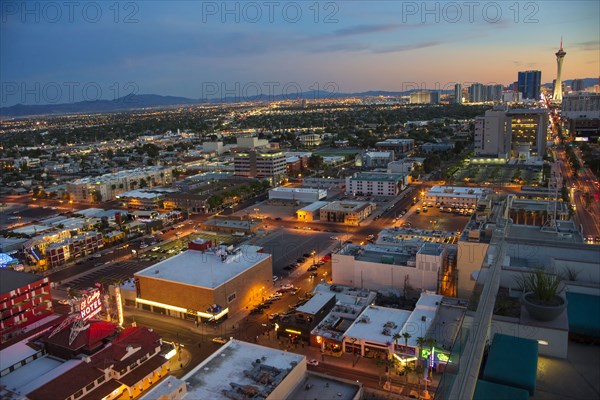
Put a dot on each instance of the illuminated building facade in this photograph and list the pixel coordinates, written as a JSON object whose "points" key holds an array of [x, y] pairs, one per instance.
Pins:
{"points": [[24, 299], [205, 284]]}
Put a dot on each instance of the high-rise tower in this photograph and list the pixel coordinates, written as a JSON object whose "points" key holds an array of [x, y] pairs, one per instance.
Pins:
{"points": [[560, 55]]}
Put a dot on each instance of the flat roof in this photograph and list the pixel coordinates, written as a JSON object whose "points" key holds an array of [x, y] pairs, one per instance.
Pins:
{"points": [[141, 194], [378, 324], [11, 280], [567, 232], [347, 294], [378, 177], [378, 153], [228, 364], [205, 269], [323, 387], [317, 205], [32, 229], [422, 317], [15, 353], [231, 223], [130, 173], [316, 303], [348, 206], [456, 190], [295, 190]]}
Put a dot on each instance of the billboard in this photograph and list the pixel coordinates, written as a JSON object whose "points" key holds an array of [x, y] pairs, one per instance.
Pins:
{"points": [[90, 306]]}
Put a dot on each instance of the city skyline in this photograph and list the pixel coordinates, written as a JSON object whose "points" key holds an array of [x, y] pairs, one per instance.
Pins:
{"points": [[184, 49]]}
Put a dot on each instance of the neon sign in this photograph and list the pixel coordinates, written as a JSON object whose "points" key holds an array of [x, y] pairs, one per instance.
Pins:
{"points": [[90, 306]]}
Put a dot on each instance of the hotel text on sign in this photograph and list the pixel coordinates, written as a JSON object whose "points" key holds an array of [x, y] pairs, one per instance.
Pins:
{"points": [[90, 306]]}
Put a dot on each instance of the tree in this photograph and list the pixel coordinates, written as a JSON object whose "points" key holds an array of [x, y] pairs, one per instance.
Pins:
{"points": [[315, 162], [143, 183], [406, 336], [96, 196]]}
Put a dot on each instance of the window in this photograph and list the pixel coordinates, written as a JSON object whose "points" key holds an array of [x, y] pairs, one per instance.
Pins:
{"points": [[90, 386], [231, 297]]}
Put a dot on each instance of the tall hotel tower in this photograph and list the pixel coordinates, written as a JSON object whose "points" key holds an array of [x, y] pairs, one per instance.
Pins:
{"points": [[560, 55]]}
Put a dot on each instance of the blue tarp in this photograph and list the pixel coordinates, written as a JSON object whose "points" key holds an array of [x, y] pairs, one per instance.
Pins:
{"points": [[584, 314], [512, 361]]}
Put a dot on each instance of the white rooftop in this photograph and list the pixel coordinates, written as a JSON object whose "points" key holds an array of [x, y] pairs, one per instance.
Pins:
{"points": [[376, 320], [422, 317], [316, 303], [383, 154], [227, 365], [208, 269], [32, 229], [15, 353], [314, 206], [456, 190], [295, 190]]}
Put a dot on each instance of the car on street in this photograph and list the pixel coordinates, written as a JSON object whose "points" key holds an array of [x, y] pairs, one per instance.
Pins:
{"points": [[273, 317], [312, 362], [312, 268], [275, 278], [219, 340]]}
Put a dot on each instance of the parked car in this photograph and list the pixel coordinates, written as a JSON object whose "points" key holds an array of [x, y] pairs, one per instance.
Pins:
{"points": [[312, 362], [219, 340], [275, 278], [273, 317]]}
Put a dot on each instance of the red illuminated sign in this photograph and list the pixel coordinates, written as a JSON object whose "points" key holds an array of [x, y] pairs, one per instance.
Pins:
{"points": [[90, 306]]}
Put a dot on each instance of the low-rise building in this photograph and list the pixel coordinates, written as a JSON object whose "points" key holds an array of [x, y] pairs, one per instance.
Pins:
{"points": [[460, 196], [310, 139], [400, 147], [376, 184], [377, 159], [311, 212], [107, 187], [240, 370], [346, 212], [144, 199], [390, 268], [204, 285], [302, 195], [231, 224], [74, 247]]}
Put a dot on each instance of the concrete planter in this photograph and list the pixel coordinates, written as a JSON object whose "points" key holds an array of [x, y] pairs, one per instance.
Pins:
{"points": [[543, 312]]}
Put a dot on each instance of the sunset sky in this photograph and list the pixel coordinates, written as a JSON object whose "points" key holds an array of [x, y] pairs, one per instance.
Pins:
{"points": [[177, 48]]}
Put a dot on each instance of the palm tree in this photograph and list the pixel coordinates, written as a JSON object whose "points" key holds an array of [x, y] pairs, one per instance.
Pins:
{"points": [[396, 337], [406, 336], [420, 343], [418, 370]]}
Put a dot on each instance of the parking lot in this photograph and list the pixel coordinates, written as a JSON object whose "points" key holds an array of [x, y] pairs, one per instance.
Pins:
{"points": [[434, 219], [116, 271], [287, 245]]}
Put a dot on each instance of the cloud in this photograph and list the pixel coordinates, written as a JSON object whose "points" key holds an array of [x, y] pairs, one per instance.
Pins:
{"points": [[365, 29], [407, 47], [592, 45]]}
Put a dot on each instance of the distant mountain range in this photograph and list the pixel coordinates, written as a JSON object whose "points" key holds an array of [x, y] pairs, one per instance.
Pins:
{"points": [[141, 101], [587, 82]]}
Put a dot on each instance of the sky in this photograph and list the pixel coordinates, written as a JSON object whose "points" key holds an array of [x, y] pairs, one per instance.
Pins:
{"points": [[57, 51]]}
